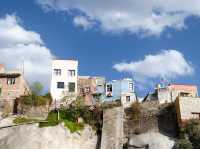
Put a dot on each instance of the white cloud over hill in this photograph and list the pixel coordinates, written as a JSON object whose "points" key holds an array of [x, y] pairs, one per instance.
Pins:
{"points": [[168, 64], [18, 45]]}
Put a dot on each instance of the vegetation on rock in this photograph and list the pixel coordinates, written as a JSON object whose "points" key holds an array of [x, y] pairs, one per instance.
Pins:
{"points": [[22, 120], [69, 116], [189, 136]]}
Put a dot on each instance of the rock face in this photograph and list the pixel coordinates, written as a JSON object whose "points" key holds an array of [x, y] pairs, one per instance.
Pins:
{"points": [[152, 139], [58, 137]]}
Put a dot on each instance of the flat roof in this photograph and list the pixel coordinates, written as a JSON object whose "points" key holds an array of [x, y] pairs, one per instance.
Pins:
{"points": [[11, 73]]}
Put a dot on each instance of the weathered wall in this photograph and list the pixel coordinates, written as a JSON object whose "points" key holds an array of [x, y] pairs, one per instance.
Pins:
{"points": [[112, 131], [34, 112], [187, 108], [153, 118]]}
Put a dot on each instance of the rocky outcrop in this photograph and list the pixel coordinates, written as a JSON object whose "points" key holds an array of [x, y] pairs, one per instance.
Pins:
{"points": [[150, 140], [58, 137]]}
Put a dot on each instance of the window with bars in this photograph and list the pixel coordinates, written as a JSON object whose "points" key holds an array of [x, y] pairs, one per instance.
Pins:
{"points": [[11, 81], [71, 73], [57, 72], [131, 86]]}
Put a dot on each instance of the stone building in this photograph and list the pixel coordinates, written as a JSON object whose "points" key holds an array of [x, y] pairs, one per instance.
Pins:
{"points": [[187, 108], [91, 88], [12, 86]]}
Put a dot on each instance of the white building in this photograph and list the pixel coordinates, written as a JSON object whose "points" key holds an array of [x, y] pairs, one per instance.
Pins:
{"points": [[64, 79]]}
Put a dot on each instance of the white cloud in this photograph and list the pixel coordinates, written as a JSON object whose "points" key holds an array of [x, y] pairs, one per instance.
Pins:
{"points": [[18, 44], [149, 17], [168, 64], [82, 22]]}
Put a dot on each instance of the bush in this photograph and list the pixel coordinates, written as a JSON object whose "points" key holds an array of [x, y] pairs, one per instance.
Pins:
{"points": [[70, 116], [193, 132], [73, 127], [52, 120], [183, 144], [136, 108], [34, 100]]}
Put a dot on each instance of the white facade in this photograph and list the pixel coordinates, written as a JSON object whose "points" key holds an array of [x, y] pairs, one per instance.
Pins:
{"points": [[127, 99], [64, 79]]}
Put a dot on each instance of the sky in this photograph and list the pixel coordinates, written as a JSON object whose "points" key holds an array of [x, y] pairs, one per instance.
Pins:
{"points": [[147, 41]]}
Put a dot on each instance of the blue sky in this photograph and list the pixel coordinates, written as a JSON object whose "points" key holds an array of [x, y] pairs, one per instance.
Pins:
{"points": [[99, 46]]}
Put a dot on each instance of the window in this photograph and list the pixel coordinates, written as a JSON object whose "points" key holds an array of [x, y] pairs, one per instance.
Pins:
{"points": [[11, 81], [87, 89], [71, 87], [128, 98], [60, 85], [196, 115], [109, 88], [71, 73], [82, 90], [131, 86], [57, 72]]}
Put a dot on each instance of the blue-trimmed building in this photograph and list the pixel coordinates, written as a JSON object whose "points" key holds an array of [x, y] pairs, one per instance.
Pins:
{"points": [[120, 90]]}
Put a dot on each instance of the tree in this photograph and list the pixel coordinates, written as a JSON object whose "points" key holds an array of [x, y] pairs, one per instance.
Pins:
{"points": [[37, 88], [183, 144]]}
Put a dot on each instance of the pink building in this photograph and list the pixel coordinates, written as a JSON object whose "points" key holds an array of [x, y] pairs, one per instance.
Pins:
{"points": [[91, 88], [12, 86]]}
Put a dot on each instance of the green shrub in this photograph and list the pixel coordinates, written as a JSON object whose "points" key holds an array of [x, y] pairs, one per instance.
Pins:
{"points": [[70, 116], [52, 120], [72, 126], [22, 120], [193, 132], [183, 144]]}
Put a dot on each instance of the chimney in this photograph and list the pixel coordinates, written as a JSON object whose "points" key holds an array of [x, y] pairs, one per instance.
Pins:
{"points": [[2, 68]]}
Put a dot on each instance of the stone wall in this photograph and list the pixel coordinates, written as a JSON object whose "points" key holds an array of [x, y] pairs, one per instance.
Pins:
{"points": [[112, 131], [6, 107], [40, 112], [154, 117]]}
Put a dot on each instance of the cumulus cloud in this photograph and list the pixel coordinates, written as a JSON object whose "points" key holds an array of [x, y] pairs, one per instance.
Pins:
{"points": [[18, 46], [150, 17], [168, 64], [83, 22]]}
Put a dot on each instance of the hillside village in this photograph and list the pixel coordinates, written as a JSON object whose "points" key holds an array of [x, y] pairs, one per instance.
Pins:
{"points": [[111, 108]]}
